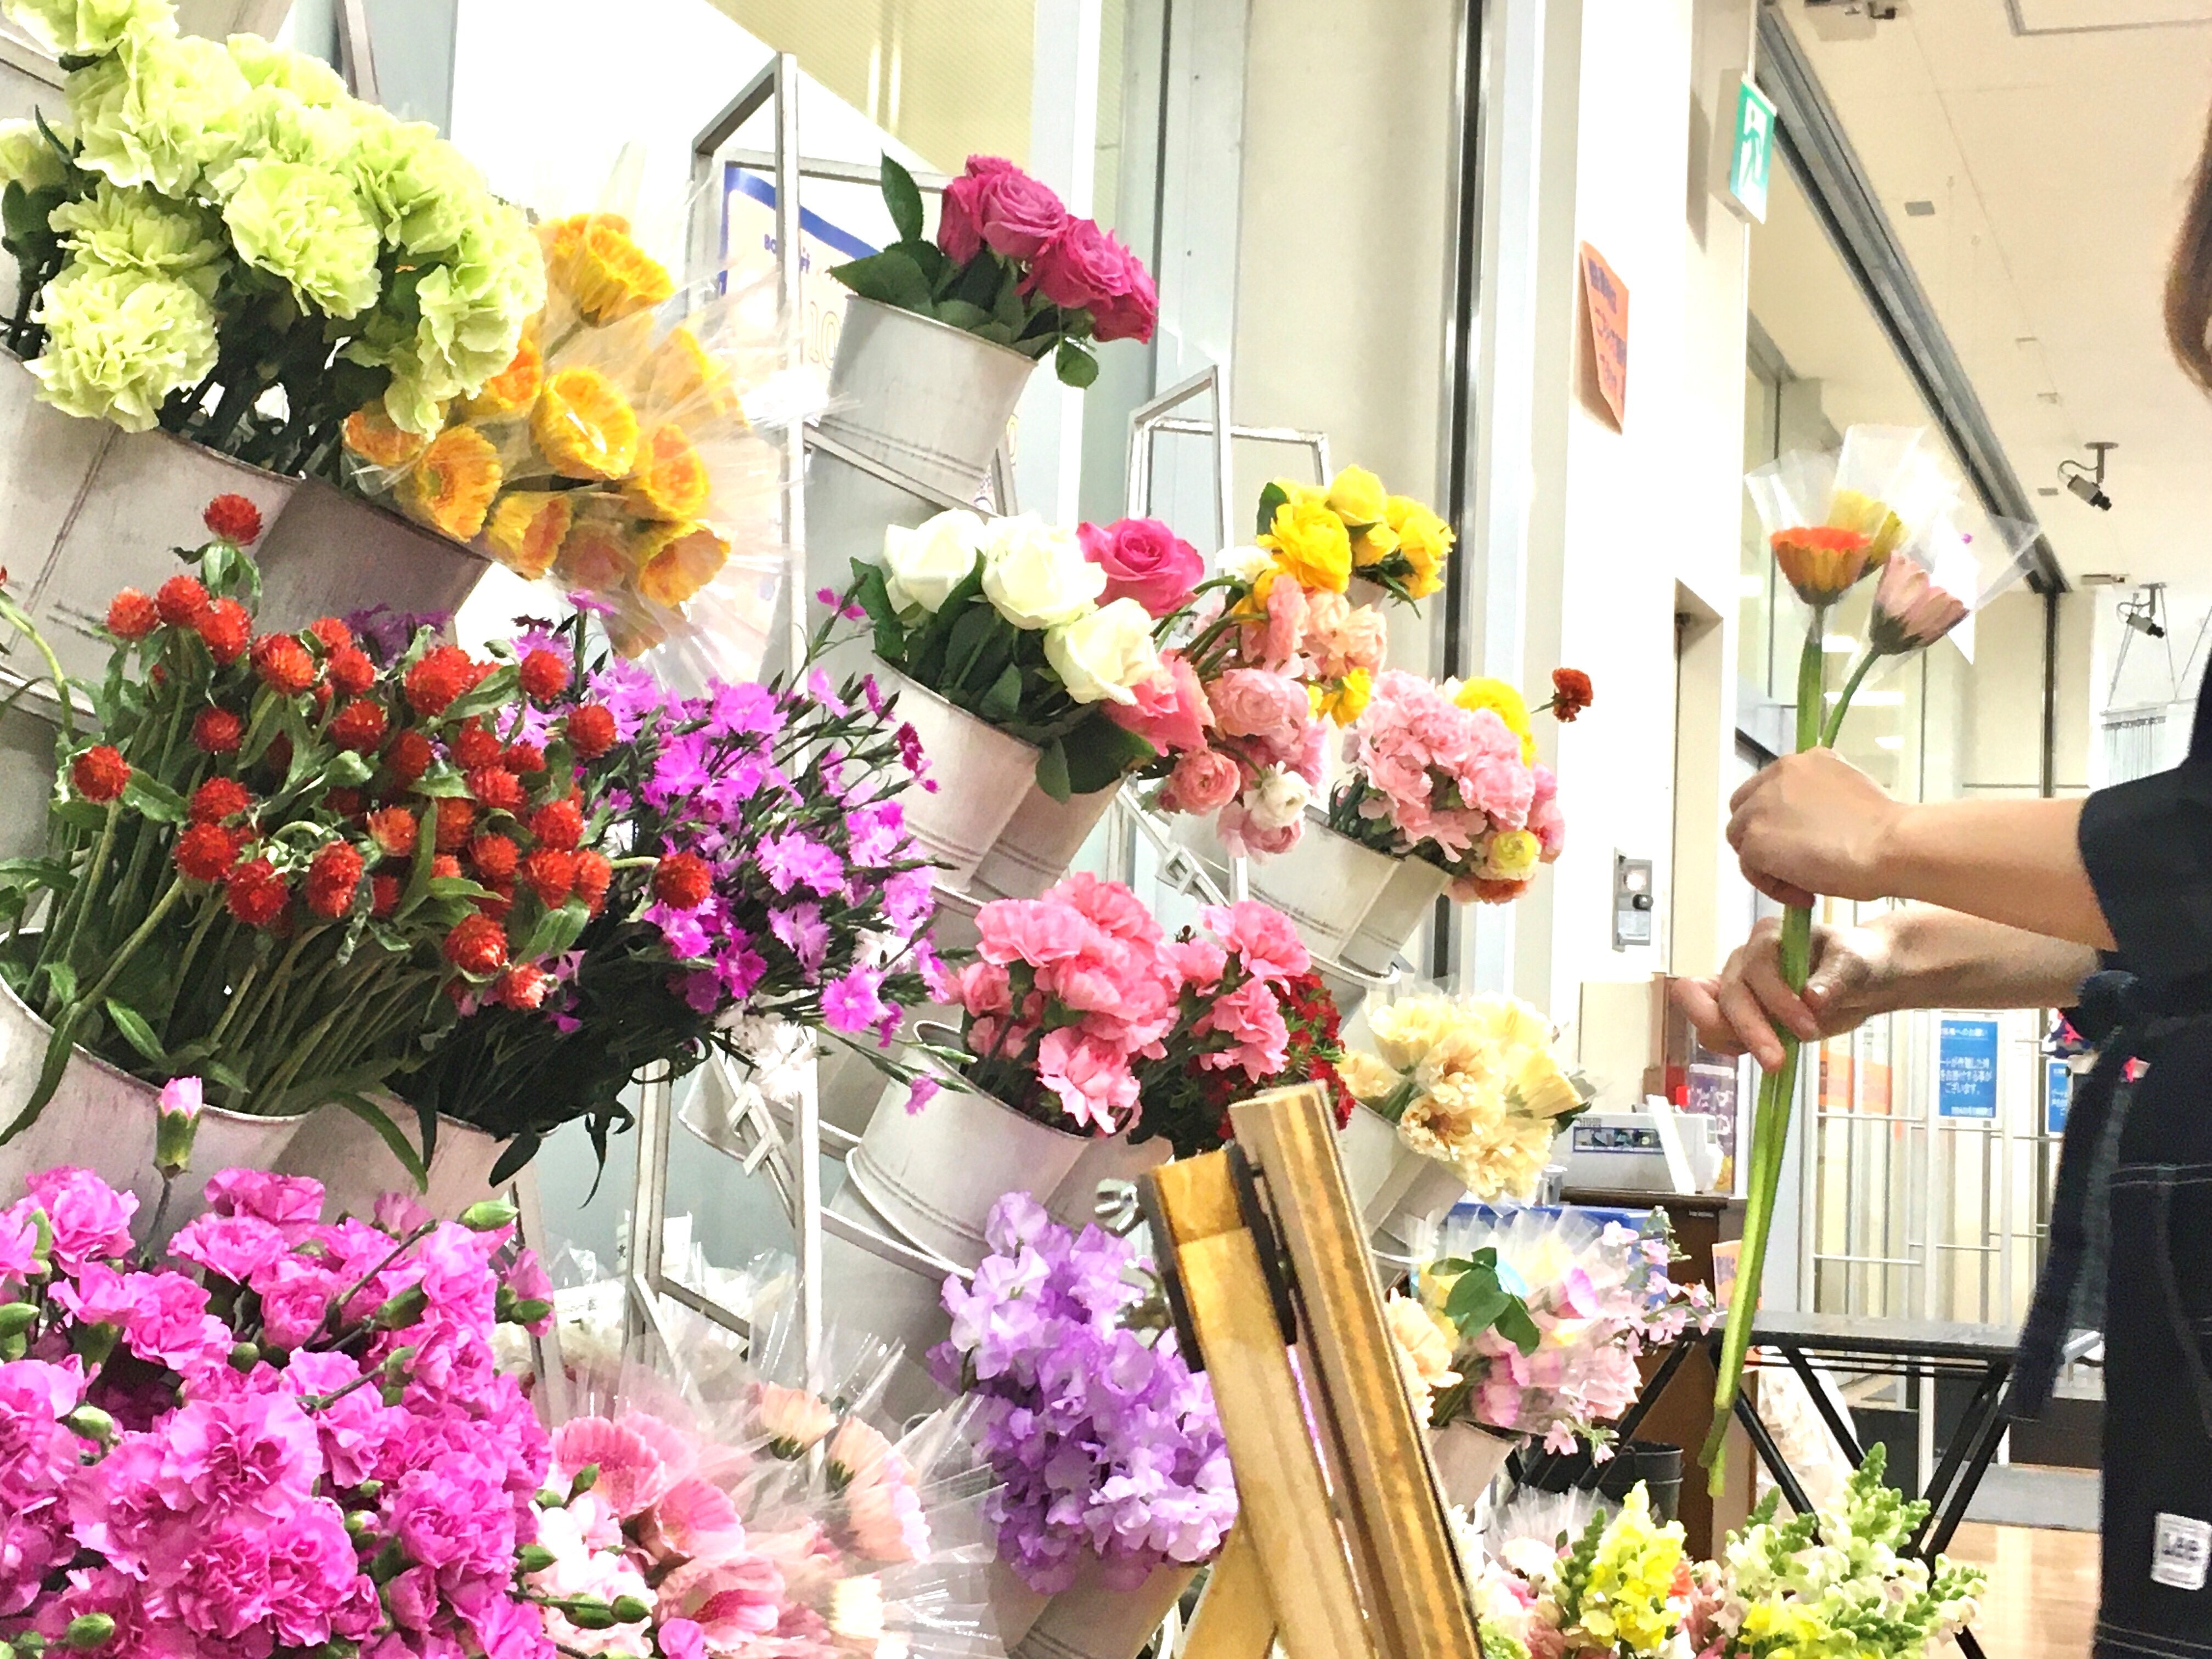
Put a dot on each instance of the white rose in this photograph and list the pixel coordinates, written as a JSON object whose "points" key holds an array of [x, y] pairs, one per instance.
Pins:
{"points": [[1247, 564], [1035, 572], [1278, 800], [923, 565], [1102, 656]]}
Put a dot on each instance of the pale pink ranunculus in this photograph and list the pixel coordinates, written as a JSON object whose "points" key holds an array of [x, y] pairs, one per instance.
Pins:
{"points": [[1241, 832], [1030, 930], [1170, 712], [1092, 1081], [1251, 702], [1283, 630], [1342, 636], [1144, 561], [1204, 780]]}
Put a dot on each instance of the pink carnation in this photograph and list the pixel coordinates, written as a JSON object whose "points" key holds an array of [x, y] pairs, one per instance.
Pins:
{"points": [[1092, 1080], [1261, 937], [90, 1219], [1252, 1019], [292, 1203], [1034, 931], [238, 1248], [1275, 709]]}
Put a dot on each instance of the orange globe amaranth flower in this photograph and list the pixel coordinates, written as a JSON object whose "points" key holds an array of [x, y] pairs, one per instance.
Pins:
{"points": [[675, 561], [1821, 562], [684, 377], [514, 389], [671, 481], [584, 426], [592, 257], [526, 528], [452, 486], [372, 433], [597, 556]]}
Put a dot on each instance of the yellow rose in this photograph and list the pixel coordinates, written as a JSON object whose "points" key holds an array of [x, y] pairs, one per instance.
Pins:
{"points": [[1356, 496], [1508, 704], [1308, 541], [1424, 538]]}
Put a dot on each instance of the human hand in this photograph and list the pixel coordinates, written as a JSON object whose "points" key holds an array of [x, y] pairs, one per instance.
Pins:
{"points": [[1746, 1006], [1813, 823]]}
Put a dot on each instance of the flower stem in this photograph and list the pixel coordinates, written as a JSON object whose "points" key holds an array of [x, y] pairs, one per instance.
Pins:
{"points": [[1835, 726]]}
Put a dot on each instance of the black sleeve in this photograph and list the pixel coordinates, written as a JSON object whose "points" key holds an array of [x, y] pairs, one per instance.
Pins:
{"points": [[2148, 846]]}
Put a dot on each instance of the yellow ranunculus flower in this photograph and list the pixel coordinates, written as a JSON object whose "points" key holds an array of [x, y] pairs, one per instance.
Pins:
{"points": [[1373, 546], [514, 389], [1347, 699], [1358, 497], [584, 427], [1424, 538], [452, 484], [1513, 856], [595, 260], [1308, 541], [675, 561], [1508, 704], [671, 483], [527, 526]]}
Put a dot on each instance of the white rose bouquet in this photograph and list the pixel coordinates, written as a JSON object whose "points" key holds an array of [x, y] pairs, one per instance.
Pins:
{"points": [[219, 241], [1011, 620]]}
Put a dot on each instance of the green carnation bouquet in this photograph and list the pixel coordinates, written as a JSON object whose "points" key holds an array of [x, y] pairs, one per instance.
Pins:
{"points": [[219, 241]]}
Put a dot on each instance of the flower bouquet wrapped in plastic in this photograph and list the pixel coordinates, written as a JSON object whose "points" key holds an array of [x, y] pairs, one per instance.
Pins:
{"points": [[1618, 1588]]}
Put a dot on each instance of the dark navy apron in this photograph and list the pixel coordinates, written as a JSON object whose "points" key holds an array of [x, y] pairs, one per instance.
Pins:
{"points": [[2135, 1176]]}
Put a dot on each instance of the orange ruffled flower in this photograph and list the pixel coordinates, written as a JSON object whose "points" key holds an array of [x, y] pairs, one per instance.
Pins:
{"points": [[1821, 562], [675, 561], [670, 482], [597, 556], [683, 377], [595, 259], [526, 528], [585, 426], [514, 389], [452, 486], [371, 434], [632, 633]]}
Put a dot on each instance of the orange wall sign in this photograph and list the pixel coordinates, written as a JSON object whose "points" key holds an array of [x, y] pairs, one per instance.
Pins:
{"points": [[1605, 303]]}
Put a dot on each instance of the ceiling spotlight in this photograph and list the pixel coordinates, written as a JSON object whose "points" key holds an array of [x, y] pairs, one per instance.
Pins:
{"points": [[2085, 481]]}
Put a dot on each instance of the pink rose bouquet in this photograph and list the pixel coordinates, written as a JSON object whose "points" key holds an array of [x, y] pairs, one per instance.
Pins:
{"points": [[1010, 263]]}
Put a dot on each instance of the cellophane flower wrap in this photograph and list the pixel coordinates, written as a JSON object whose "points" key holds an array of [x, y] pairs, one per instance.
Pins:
{"points": [[278, 862], [1470, 1081], [287, 1435], [764, 887], [1621, 1588], [617, 453], [1108, 1443], [1010, 265], [1082, 1013], [210, 224]]}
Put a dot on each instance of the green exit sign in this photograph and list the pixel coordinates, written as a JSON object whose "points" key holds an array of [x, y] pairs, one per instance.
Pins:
{"points": [[1754, 156]]}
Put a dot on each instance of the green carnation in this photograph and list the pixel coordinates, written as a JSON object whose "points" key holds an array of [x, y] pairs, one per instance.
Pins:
{"points": [[135, 230], [309, 228], [120, 342], [90, 28], [425, 193], [27, 159], [276, 125], [160, 111], [308, 79], [470, 312]]}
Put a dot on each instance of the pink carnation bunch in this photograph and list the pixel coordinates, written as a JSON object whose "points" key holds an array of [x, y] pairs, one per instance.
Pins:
{"points": [[289, 1435]]}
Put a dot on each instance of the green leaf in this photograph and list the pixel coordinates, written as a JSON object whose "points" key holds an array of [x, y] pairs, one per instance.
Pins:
{"points": [[891, 278], [1075, 366], [1008, 305], [996, 333], [1052, 770], [442, 780], [1270, 498], [228, 1076], [348, 770], [418, 878], [153, 797], [456, 887], [903, 197], [136, 1031], [999, 704], [554, 932], [519, 1151], [61, 979], [1100, 754], [495, 690], [78, 814], [971, 631], [1517, 1328], [961, 314]]}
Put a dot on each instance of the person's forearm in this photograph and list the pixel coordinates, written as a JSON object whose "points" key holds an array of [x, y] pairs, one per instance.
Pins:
{"points": [[1944, 959], [2016, 862]]}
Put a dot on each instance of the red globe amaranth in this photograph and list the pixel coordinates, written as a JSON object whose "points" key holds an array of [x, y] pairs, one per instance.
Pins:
{"points": [[591, 731], [349, 672], [333, 875], [594, 874], [235, 519], [493, 857], [225, 627], [256, 894], [543, 676], [523, 757], [283, 664], [558, 823], [347, 803], [217, 732], [682, 881], [409, 756], [442, 675], [445, 864], [205, 851], [335, 635], [550, 874], [473, 746], [100, 773], [497, 899], [477, 946], [455, 815], [496, 787], [393, 830], [218, 798], [522, 987], [359, 726], [181, 600], [131, 615], [383, 895]]}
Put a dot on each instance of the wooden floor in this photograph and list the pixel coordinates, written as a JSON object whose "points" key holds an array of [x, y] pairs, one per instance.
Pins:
{"points": [[2042, 1599]]}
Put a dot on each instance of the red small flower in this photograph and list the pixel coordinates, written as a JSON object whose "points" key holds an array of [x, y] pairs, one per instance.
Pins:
{"points": [[497, 789], [551, 875], [410, 757], [558, 823], [445, 864], [493, 857], [359, 726], [205, 851], [454, 817], [225, 626], [545, 675], [219, 799], [1498, 892], [477, 946], [593, 876], [1571, 693], [335, 635], [131, 615], [283, 664], [217, 732], [351, 671], [473, 746], [523, 986], [256, 893], [235, 519], [346, 803], [523, 757], [383, 895], [682, 881], [591, 731], [333, 876], [498, 900], [181, 600], [100, 773], [442, 675], [393, 829]]}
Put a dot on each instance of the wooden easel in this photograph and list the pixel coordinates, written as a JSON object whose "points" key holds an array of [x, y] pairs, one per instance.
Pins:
{"points": [[1341, 1549]]}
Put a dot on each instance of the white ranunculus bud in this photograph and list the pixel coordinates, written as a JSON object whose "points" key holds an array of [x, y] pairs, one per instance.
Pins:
{"points": [[1035, 572], [1102, 657], [1246, 564], [1277, 798], [923, 565]]}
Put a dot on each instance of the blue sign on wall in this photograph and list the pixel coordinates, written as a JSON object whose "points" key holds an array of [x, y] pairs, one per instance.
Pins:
{"points": [[1967, 1068], [2057, 1096]]}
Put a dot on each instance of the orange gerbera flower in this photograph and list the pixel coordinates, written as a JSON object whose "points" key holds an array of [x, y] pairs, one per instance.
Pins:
{"points": [[452, 486], [594, 258], [684, 377], [670, 482], [514, 389], [675, 561], [526, 528], [597, 556], [1820, 561], [372, 434], [584, 426]]}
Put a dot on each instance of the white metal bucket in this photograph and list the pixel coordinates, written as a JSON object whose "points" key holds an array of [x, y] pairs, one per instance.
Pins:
{"points": [[27, 734], [356, 1167], [331, 553], [1039, 844], [981, 775], [1351, 903], [1394, 1188], [1087, 1621], [1074, 1203]]}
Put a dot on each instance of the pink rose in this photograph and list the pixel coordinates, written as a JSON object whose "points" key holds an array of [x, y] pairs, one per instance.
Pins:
{"points": [[1204, 780], [1093, 1082], [1016, 215], [1080, 266], [1251, 702], [1170, 712], [1241, 832], [1145, 561], [1132, 311], [960, 224]]}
